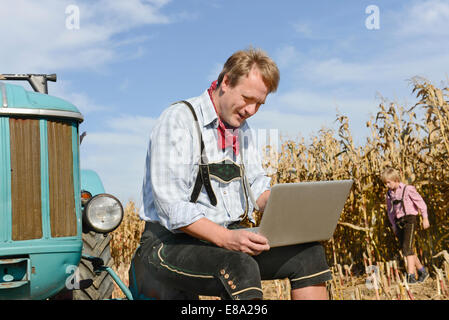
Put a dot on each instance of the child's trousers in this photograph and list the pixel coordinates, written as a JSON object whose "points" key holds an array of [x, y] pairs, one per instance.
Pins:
{"points": [[406, 228]]}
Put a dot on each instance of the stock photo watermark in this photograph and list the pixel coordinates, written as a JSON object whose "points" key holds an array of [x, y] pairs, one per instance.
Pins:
{"points": [[373, 279], [73, 280], [72, 20], [372, 22]]}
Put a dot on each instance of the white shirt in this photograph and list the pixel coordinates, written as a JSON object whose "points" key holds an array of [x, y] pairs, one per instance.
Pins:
{"points": [[171, 169]]}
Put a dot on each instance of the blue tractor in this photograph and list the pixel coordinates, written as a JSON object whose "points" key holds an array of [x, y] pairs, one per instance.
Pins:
{"points": [[55, 218]]}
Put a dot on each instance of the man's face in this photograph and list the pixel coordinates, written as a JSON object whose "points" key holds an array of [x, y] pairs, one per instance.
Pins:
{"points": [[242, 101]]}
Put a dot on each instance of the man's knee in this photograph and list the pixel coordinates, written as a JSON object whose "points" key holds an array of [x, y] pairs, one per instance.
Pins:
{"points": [[240, 277], [237, 273]]}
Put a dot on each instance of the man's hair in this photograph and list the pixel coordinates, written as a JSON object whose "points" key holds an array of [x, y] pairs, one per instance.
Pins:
{"points": [[241, 63], [390, 174]]}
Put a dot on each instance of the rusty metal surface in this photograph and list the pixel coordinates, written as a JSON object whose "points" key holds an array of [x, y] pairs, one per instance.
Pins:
{"points": [[18, 271], [13, 284], [25, 179], [12, 260], [60, 164]]}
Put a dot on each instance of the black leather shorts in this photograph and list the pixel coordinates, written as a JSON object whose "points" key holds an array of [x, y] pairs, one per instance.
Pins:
{"points": [[187, 264], [406, 230]]}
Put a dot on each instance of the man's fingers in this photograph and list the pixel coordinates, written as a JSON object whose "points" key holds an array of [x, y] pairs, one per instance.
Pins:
{"points": [[257, 238], [250, 242], [258, 242]]}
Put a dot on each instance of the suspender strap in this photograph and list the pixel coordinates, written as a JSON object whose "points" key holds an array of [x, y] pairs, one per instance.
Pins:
{"points": [[203, 177], [402, 200], [204, 172]]}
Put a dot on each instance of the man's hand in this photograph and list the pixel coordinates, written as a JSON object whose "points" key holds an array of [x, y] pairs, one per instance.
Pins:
{"points": [[246, 241], [425, 223], [236, 240]]}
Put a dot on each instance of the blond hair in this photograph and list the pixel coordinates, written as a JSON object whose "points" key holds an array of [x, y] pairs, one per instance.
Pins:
{"points": [[390, 174], [241, 63]]}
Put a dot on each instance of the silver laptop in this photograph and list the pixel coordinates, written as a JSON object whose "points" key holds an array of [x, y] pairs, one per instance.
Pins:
{"points": [[303, 212]]}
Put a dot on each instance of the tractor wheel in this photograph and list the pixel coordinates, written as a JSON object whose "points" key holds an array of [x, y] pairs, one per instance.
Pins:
{"points": [[96, 245]]}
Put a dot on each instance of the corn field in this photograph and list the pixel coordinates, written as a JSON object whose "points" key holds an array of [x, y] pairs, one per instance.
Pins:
{"points": [[418, 148], [416, 145]]}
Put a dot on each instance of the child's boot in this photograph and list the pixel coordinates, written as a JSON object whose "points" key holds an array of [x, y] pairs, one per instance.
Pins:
{"points": [[422, 275], [411, 279]]}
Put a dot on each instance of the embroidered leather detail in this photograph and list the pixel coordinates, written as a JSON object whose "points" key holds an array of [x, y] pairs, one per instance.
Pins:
{"points": [[174, 269], [311, 276]]}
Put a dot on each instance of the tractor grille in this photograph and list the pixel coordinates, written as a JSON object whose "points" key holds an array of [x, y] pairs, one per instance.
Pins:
{"points": [[60, 168], [41, 179], [25, 179]]}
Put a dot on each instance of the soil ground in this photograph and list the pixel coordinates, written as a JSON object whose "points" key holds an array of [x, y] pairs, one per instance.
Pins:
{"points": [[280, 290]]}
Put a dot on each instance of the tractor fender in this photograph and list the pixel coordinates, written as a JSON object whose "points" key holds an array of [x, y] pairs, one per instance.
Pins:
{"points": [[90, 181]]}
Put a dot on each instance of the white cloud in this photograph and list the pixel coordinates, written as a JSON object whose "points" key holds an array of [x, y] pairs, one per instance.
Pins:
{"points": [[424, 18], [416, 46], [107, 141], [287, 124], [334, 70], [38, 36], [36, 40], [393, 68], [123, 15], [135, 124], [303, 29], [302, 113], [117, 154], [318, 103], [81, 100], [286, 56]]}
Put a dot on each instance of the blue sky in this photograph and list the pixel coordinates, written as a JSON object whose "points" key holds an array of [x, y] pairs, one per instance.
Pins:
{"points": [[129, 60]]}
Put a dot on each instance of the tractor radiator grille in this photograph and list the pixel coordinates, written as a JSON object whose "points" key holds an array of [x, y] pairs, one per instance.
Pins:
{"points": [[40, 188], [25, 179], [60, 169]]}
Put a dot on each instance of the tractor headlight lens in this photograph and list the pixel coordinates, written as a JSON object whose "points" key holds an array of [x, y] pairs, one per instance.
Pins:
{"points": [[103, 213]]}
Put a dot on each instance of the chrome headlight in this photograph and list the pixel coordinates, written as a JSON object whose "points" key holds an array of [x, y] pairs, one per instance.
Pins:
{"points": [[103, 213]]}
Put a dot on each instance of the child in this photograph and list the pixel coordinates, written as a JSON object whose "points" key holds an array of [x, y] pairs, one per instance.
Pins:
{"points": [[403, 205]]}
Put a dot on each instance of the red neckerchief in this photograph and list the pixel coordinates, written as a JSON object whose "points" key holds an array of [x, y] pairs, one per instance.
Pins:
{"points": [[227, 135]]}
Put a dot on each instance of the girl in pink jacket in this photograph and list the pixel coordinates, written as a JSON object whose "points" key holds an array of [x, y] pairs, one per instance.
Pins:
{"points": [[404, 204]]}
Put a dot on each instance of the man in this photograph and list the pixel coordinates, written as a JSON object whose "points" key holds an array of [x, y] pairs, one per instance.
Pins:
{"points": [[203, 175]]}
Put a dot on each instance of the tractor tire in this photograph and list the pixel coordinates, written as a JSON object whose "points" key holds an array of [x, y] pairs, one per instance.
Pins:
{"points": [[96, 245]]}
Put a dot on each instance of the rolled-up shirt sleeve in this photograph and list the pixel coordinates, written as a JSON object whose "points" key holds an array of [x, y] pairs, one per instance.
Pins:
{"points": [[170, 159]]}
